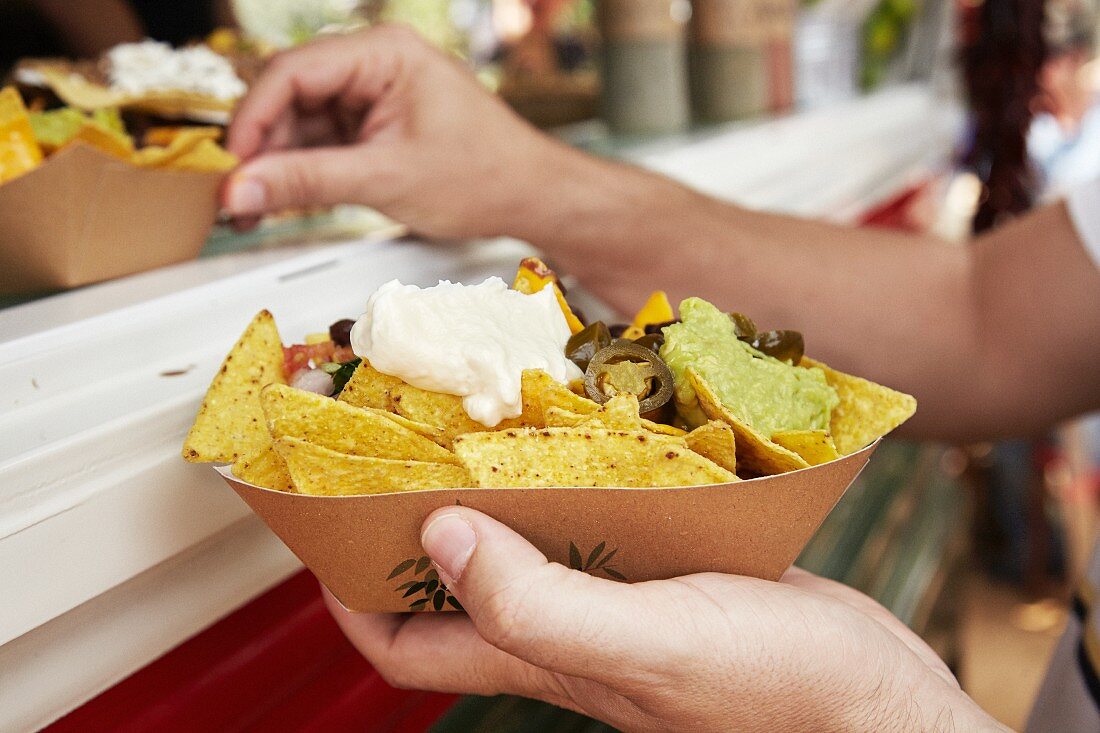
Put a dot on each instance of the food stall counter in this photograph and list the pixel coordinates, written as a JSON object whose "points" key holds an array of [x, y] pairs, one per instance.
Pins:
{"points": [[113, 551]]}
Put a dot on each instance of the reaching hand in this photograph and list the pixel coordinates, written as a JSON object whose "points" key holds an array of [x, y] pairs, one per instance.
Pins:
{"points": [[381, 118], [702, 652]]}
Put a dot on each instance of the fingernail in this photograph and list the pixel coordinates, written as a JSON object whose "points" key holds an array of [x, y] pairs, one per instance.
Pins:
{"points": [[450, 541], [246, 196]]}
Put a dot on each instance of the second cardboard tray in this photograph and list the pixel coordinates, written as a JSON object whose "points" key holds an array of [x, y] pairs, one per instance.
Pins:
{"points": [[84, 216]]}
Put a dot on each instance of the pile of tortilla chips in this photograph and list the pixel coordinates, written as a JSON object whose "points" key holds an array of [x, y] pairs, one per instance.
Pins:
{"points": [[27, 138], [383, 435], [78, 91]]}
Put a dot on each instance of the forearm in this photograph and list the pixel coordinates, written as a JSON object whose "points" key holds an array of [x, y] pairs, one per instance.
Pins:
{"points": [[994, 338], [891, 307]]}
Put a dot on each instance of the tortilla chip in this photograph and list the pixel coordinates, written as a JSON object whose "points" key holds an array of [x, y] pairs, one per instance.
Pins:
{"points": [[369, 387], [181, 145], [815, 446], [618, 413], [432, 433], [230, 423], [323, 472], [444, 411], [77, 91], [583, 457], [755, 453], [151, 156], [181, 104], [661, 429], [541, 392], [294, 413], [102, 139], [206, 157], [266, 469], [557, 417], [19, 149], [867, 411], [716, 441], [163, 136]]}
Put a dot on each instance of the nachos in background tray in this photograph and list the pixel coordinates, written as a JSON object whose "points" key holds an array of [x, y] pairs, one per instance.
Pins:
{"points": [[27, 139], [201, 82], [450, 387]]}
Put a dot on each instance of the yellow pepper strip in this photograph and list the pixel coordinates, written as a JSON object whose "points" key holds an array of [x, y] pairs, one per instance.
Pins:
{"points": [[656, 310], [533, 275]]}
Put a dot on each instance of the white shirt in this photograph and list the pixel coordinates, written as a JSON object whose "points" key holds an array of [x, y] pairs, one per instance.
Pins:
{"points": [[1084, 209], [1067, 159], [1069, 699]]}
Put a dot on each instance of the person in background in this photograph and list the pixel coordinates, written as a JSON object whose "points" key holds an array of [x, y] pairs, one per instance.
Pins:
{"points": [[1063, 141], [1063, 146], [1003, 50], [969, 331]]}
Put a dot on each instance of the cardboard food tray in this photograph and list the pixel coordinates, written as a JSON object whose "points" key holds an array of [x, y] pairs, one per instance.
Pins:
{"points": [[83, 216], [366, 549]]}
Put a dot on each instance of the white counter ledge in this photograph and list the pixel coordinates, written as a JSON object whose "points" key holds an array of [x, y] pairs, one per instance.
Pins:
{"points": [[113, 551]]}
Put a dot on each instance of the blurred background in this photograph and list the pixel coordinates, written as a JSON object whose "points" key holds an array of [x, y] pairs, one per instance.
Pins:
{"points": [[977, 547]]}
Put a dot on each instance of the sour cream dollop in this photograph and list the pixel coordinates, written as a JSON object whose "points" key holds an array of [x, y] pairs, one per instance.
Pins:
{"points": [[474, 341], [151, 66]]}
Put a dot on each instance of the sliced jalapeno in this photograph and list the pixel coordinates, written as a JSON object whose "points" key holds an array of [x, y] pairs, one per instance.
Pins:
{"points": [[743, 326], [651, 341], [783, 345], [583, 345], [629, 368]]}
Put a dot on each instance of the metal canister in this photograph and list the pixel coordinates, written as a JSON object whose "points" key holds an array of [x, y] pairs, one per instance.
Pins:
{"points": [[644, 69], [739, 58]]}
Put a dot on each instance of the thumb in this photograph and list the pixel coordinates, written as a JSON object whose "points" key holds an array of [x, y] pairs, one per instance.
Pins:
{"points": [[555, 618], [299, 179]]}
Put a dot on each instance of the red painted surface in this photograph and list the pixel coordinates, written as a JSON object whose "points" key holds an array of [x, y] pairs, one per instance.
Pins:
{"points": [[279, 663], [895, 212]]}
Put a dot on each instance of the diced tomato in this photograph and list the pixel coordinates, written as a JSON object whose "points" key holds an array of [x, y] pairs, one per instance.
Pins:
{"points": [[301, 356]]}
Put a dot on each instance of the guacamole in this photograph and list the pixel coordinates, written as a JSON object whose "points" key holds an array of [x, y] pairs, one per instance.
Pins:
{"points": [[58, 126], [767, 394]]}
